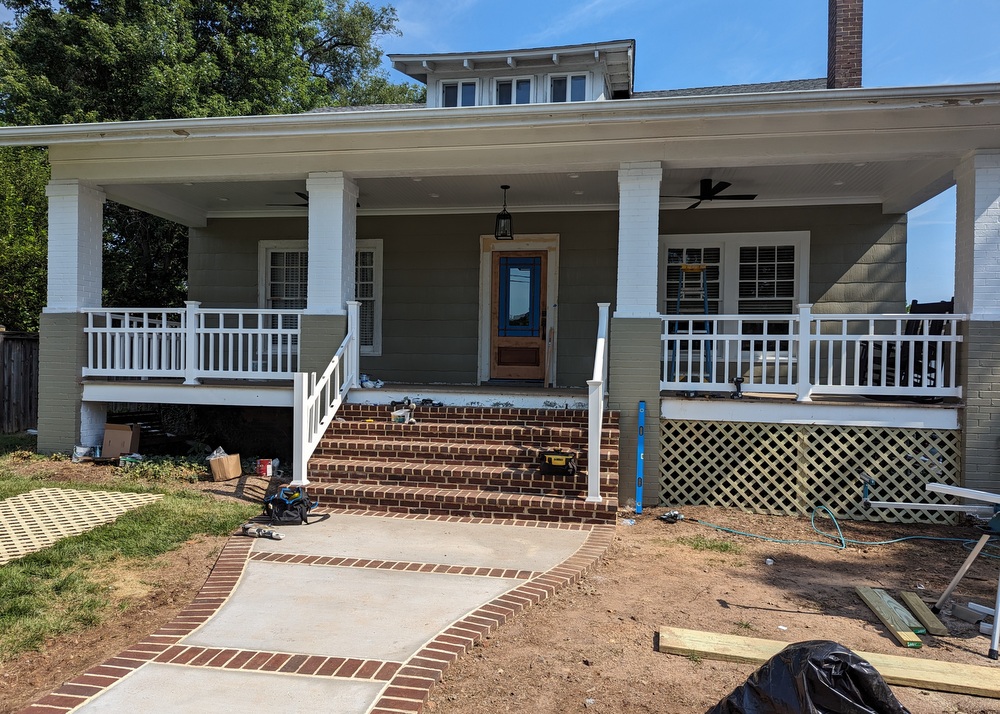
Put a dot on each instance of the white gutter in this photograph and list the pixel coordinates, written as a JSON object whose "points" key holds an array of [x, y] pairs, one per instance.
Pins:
{"points": [[814, 101]]}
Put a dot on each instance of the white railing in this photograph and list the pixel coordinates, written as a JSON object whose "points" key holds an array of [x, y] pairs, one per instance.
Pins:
{"points": [[905, 355], [317, 400], [595, 415], [191, 342]]}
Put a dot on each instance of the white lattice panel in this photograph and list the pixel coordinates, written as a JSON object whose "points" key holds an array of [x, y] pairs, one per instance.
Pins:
{"points": [[37, 519], [790, 469]]}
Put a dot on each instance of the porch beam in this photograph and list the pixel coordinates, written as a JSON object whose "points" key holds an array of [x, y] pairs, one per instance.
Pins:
{"points": [[333, 199]]}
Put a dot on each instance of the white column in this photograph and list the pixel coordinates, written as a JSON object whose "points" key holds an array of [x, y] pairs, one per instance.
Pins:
{"points": [[638, 238], [333, 199], [977, 237], [76, 233]]}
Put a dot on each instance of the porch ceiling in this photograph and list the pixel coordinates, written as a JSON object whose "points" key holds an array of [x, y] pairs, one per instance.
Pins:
{"points": [[899, 185]]}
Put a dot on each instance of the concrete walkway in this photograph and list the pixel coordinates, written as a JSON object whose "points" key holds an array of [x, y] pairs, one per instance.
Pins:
{"points": [[353, 613]]}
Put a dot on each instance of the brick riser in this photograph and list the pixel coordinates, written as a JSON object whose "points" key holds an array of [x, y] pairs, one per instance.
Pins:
{"points": [[478, 462]]}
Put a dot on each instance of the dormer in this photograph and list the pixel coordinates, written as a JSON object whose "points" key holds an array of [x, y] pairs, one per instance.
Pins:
{"points": [[570, 73]]}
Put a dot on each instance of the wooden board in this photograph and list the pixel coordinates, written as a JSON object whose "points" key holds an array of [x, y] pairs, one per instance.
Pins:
{"points": [[897, 628], [923, 613], [895, 669], [904, 615]]}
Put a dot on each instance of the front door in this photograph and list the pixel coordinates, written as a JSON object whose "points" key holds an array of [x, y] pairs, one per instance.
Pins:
{"points": [[517, 344]]}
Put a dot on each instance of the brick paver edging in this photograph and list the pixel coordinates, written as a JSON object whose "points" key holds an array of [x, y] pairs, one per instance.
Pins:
{"points": [[409, 683]]}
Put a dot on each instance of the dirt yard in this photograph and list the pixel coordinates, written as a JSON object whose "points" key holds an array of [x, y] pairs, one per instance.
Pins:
{"points": [[591, 647]]}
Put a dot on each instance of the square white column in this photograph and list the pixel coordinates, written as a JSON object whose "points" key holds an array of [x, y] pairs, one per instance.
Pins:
{"points": [[638, 238], [76, 241], [977, 237], [333, 199]]}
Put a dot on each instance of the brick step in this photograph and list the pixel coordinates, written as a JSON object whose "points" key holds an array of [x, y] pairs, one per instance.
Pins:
{"points": [[446, 452], [465, 503], [479, 415], [547, 436], [452, 477]]}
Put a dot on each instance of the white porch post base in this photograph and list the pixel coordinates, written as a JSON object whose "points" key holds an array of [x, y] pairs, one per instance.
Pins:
{"points": [[93, 415]]}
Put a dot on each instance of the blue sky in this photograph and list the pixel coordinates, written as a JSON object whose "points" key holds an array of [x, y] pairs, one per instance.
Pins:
{"points": [[691, 43], [694, 43]]}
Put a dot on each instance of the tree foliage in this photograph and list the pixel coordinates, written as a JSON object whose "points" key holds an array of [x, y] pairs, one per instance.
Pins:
{"points": [[23, 175], [119, 60]]}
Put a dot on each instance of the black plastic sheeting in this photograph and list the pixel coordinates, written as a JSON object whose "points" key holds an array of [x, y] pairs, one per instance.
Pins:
{"points": [[816, 677]]}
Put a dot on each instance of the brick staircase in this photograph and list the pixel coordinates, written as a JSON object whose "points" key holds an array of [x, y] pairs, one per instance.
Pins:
{"points": [[462, 461]]}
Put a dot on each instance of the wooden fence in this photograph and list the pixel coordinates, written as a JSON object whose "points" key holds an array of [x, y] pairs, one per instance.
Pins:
{"points": [[18, 382]]}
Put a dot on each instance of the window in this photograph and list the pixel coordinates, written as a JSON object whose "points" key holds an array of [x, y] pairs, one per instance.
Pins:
{"points": [[568, 88], [458, 94], [513, 91], [285, 275], [368, 291], [746, 273]]}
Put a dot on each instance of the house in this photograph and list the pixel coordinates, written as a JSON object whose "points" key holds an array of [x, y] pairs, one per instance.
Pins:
{"points": [[375, 232]]}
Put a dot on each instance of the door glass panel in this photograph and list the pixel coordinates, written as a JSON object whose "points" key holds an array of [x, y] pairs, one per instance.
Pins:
{"points": [[520, 297]]}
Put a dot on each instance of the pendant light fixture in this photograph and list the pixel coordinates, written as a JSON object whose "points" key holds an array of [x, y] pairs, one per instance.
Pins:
{"points": [[505, 225]]}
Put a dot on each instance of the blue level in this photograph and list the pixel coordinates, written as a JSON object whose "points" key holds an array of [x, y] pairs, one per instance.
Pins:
{"points": [[640, 460]]}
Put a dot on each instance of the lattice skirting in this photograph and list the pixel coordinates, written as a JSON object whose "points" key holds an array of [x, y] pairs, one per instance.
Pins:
{"points": [[790, 469]]}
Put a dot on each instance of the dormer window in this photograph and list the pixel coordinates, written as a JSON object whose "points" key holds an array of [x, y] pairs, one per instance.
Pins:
{"points": [[458, 94], [513, 91], [568, 88]]}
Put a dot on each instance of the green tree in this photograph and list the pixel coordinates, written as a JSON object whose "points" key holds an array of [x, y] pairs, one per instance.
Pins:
{"points": [[118, 60], [23, 175]]}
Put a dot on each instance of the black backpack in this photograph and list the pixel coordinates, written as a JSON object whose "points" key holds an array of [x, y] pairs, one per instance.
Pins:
{"points": [[289, 506]]}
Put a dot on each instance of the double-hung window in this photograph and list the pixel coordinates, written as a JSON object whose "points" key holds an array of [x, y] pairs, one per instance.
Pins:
{"points": [[284, 284], [458, 94], [568, 88]]}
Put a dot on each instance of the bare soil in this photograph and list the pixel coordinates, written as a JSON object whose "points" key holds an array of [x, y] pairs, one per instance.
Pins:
{"points": [[592, 647]]}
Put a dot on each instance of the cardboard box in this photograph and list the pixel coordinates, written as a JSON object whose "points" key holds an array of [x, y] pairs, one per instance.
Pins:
{"points": [[120, 439], [225, 468]]}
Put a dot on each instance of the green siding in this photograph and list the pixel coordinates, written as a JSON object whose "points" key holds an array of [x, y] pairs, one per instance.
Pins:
{"points": [[222, 258], [62, 353], [857, 254]]}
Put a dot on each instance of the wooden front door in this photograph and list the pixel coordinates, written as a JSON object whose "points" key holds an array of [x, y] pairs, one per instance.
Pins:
{"points": [[517, 343]]}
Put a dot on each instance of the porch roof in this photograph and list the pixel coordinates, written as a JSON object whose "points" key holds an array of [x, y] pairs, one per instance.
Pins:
{"points": [[891, 146]]}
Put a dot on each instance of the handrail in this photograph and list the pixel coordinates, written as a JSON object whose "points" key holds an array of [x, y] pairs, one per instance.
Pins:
{"points": [[595, 414], [317, 401]]}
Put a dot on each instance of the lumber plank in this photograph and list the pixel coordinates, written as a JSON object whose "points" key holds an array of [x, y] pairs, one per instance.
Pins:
{"points": [[895, 669], [897, 628], [923, 613], [904, 615]]}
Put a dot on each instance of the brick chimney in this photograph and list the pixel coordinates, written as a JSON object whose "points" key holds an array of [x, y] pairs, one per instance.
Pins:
{"points": [[843, 68]]}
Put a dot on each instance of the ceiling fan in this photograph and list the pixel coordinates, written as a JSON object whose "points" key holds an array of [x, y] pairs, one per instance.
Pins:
{"points": [[300, 194], [708, 192]]}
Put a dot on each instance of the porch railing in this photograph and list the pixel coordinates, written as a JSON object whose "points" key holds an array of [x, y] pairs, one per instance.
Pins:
{"points": [[805, 354], [595, 414], [317, 400], [192, 343]]}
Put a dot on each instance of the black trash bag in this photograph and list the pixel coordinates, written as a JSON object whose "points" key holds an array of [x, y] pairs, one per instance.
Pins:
{"points": [[816, 677]]}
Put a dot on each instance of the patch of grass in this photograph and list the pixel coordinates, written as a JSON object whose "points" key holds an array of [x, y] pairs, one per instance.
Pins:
{"points": [[699, 542], [744, 625], [166, 468], [61, 589], [694, 659]]}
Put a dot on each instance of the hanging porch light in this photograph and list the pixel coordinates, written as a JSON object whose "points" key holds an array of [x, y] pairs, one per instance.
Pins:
{"points": [[505, 225]]}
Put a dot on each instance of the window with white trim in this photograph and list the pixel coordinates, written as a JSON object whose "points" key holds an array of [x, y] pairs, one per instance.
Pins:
{"points": [[567, 88], [458, 94], [368, 292], [284, 284], [513, 91], [746, 273]]}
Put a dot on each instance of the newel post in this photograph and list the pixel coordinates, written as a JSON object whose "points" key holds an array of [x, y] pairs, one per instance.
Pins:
{"points": [[191, 352], [354, 346]]}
